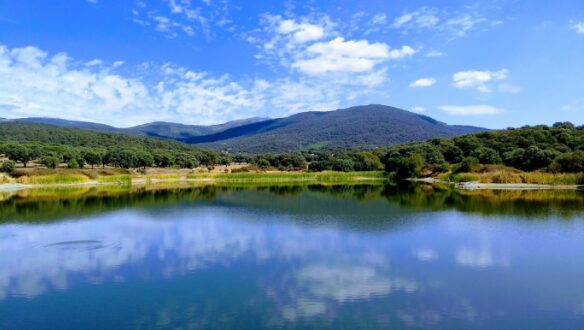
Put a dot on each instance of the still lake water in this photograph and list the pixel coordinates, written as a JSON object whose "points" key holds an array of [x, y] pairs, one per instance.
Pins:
{"points": [[291, 257]]}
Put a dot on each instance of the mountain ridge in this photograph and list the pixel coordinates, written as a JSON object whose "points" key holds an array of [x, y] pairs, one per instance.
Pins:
{"points": [[364, 126]]}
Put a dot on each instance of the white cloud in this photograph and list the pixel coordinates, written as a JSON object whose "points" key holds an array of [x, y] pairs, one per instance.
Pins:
{"points": [[423, 82], [404, 51], [418, 109], [462, 24], [301, 32], [579, 27], [426, 254], [434, 53], [380, 19], [477, 79], [422, 18], [474, 259], [184, 17], [426, 18], [339, 55], [33, 83], [470, 110], [94, 62]]}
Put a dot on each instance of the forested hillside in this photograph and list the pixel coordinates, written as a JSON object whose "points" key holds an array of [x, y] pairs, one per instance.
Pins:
{"points": [[559, 148], [51, 145], [368, 126]]}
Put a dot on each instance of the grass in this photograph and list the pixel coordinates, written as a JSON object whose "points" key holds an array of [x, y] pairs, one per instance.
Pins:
{"points": [[518, 177], [290, 176], [58, 178], [118, 179]]}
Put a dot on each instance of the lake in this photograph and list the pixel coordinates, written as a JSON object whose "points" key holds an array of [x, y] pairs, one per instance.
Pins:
{"points": [[308, 256]]}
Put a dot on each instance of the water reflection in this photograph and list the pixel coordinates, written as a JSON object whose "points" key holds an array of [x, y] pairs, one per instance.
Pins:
{"points": [[307, 256]]}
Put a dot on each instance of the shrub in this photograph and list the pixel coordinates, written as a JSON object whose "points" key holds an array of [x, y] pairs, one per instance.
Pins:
{"points": [[468, 164], [73, 163], [569, 163], [50, 161], [8, 167]]}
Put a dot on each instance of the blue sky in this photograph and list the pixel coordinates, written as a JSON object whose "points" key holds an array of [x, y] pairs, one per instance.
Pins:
{"points": [[495, 63]]}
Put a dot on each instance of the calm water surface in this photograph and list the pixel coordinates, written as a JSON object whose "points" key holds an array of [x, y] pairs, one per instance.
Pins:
{"points": [[291, 257]]}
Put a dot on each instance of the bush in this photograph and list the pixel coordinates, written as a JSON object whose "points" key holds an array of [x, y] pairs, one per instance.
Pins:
{"points": [[73, 163], [8, 167], [50, 161], [468, 164], [569, 163], [409, 167]]}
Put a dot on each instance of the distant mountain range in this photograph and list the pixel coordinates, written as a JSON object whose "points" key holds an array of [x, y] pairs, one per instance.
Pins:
{"points": [[366, 126]]}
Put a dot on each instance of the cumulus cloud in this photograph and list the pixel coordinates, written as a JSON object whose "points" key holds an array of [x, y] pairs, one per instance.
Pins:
{"points": [[579, 27], [345, 56], [423, 82], [301, 32], [470, 110], [477, 79], [34, 83]]}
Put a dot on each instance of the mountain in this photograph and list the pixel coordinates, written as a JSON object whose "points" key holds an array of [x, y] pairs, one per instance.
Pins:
{"points": [[166, 130], [180, 132], [367, 126], [69, 124]]}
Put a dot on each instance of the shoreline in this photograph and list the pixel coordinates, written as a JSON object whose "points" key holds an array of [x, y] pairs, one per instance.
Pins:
{"points": [[497, 186], [285, 177], [218, 178]]}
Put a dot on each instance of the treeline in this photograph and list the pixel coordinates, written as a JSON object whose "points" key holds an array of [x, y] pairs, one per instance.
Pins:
{"points": [[556, 148], [317, 161], [52, 146], [559, 148]]}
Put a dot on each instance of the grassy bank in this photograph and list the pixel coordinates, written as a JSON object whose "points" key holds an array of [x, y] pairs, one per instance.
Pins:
{"points": [[290, 176], [504, 175], [46, 177]]}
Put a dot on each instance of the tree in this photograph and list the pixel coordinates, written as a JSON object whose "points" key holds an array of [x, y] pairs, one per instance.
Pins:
{"points": [[571, 162], [144, 159], [185, 161], [73, 163], [163, 158], [263, 163], [319, 166], [468, 164], [487, 155], [367, 161], [50, 161], [19, 153], [409, 167], [342, 165], [93, 157]]}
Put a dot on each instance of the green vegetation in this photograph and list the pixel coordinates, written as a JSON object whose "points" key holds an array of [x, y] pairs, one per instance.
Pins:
{"points": [[544, 154], [290, 176], [53, 179], [51, 146], [538, 154]]}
